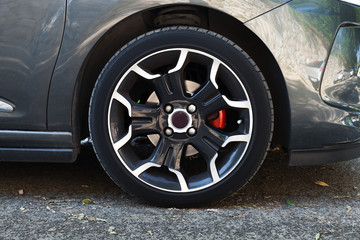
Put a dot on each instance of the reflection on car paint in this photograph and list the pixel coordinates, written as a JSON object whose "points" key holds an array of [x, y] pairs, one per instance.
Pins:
{"points": [[341, 83], [313, 24]]}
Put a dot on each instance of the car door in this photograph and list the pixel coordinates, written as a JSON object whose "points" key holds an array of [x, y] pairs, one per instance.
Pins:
{"points": [[30, 38]]}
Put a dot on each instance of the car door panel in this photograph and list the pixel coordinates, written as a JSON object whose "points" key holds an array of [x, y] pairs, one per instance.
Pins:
{"points": [[30, 38]]}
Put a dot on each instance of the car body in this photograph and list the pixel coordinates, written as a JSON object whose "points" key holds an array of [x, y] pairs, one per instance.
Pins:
{"points": [[53, 52]]}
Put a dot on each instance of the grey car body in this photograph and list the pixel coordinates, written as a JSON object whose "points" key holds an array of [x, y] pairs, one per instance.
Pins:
{"points": [[52, 52]]}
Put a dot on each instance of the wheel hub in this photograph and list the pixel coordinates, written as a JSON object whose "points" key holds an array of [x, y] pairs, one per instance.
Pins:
{"points": [[180, 120]]}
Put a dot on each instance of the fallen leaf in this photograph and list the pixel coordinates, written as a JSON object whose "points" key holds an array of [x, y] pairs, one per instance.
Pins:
{"points": [[318, 235], [52, 229], [321, 183], [86, 201], [237, 216], [21, 192], [24, 210], [111, 230], [101, 220], [85, 186], [348, 209], [48, 208], [213, 210], [340, 197], [275, 149], [149, 232], [290, 203]]}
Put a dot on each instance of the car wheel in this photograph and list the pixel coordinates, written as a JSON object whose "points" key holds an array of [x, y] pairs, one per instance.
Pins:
{"points": [[180, 116]]}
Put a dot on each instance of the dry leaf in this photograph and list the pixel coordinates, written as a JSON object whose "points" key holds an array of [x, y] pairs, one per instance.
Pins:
{"points": [[21, 192], [111, 230], [348, 209], [321, 183], [101, 220], [24, 210], [275, 149], [213, 210], [318, 235], [48, 208]]}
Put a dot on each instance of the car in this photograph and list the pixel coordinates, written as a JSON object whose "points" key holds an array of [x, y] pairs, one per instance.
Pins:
{"points": [[181, 100], [314, 71], [342, 75]]}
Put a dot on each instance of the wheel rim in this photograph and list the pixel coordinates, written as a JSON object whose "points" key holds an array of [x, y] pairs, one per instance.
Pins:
{"points": [[178, 119]]}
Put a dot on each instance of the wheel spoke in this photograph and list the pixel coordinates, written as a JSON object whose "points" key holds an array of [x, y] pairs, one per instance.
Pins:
{"points": [[210, 155], [120, 143], [214, 138], [144, 111], [174, 155], [166, 154], [121, 99], [160, 153], [173, 160], [215, 104], [237, 138], [237, 104], [142, 168], [213, 170], [169, 86], [219, 140], [206, 93], [156, 159], [206, 149], [176, 84], [181, 179], [141, 128], [144, 73], [181, 61], [213, 72]]}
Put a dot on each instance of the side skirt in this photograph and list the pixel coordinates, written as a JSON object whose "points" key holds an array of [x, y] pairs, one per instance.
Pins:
{"points": [[324, 155], [36, 146]]}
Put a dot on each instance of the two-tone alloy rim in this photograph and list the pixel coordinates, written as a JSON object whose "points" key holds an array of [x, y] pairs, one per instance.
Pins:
{"points": [[161, 114]]}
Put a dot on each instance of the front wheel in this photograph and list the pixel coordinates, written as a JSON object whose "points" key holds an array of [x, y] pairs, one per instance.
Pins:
{"points": [[180, 116]]}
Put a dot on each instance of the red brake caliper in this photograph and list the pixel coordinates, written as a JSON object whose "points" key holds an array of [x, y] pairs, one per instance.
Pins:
{"points": [[220, 121]]}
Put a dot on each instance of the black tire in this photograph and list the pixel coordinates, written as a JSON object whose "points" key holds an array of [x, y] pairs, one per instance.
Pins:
{"points": [[152, 111]]}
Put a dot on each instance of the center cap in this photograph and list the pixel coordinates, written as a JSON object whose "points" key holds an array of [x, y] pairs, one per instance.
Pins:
{"points": [[180, 119]]}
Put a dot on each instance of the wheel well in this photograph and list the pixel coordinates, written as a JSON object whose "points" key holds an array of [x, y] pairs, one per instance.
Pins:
{"points": [[188, 15]]}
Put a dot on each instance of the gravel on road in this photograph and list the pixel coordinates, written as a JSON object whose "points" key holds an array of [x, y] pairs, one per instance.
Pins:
{"points": [[61, 201]]}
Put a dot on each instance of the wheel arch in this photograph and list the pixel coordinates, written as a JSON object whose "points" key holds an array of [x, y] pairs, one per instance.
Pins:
{"points": [[190, 15]]}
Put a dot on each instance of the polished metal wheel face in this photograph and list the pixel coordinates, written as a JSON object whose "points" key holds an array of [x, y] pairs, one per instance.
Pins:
{"points": [[160, 120]]}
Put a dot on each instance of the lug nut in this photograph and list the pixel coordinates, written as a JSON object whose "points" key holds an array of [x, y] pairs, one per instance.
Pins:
{"points": [[169, 131], [168, 108], [191, 131], [191, 108]]}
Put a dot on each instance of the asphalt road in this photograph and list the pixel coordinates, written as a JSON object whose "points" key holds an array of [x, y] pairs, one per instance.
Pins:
{"points": [[45, 201]]}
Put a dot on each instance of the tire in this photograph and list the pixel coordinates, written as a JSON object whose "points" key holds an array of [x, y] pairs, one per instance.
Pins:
{"points": [[153, 115]]}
